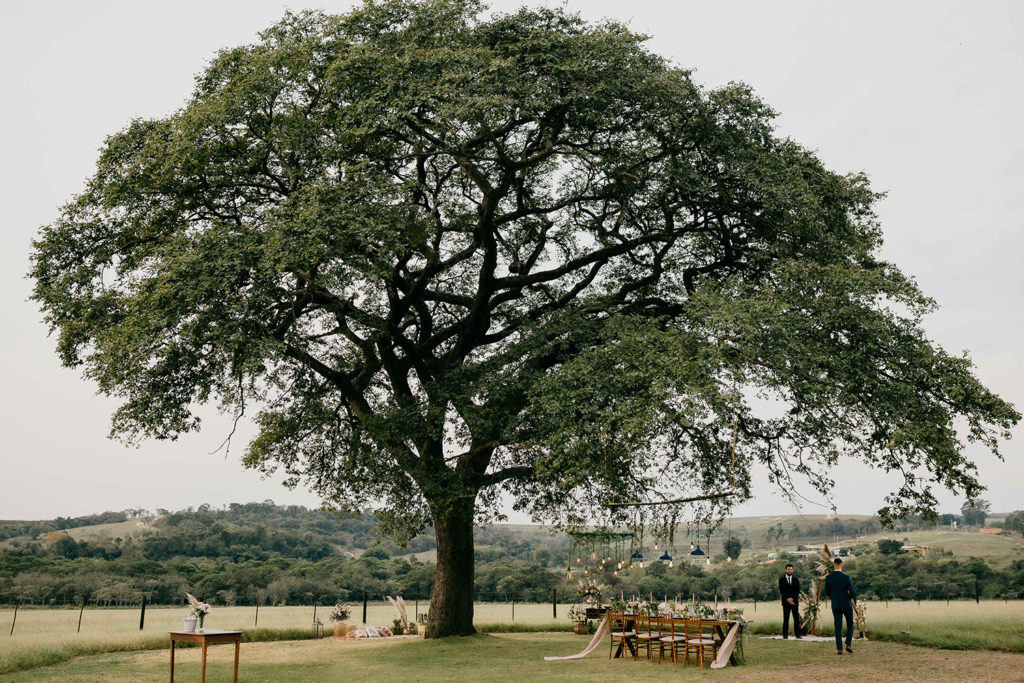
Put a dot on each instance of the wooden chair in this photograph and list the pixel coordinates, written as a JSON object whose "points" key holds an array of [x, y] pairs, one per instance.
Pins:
{"points": [[617, 626], [648, 632], [696, 642], [672, 636]]}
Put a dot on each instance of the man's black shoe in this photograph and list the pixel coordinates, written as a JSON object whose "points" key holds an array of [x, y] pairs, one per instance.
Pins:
{"points": [[785, 637], [840, 652], [849, 649], [799, 637]]}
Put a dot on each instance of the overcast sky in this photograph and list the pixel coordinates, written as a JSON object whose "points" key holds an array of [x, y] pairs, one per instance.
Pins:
{"points": [[925, 97]]}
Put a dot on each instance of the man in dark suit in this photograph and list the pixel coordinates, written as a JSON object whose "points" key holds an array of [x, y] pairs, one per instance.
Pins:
{"points": [[839, 587], [789, 589]]}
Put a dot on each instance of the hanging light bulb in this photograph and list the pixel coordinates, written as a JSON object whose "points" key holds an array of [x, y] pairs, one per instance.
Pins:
{"points": [[568, 575], [615, 573], [579, 559], [728, 559], [593, 554], [691, 546], [641, 564], [586, 571], [709, 561], [670, 564], [655, 545]]}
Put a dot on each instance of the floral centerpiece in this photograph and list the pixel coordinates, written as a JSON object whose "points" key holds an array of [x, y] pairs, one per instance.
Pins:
{"points": [[638, 606], [699, 609], [590, 590], [199, 609]]}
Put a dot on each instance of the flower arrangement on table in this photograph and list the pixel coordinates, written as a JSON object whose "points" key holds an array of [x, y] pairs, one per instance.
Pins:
{"points": [[641, 607], [729, 613], [699, 609], [341, 613], [590, 590], [199, 609]]}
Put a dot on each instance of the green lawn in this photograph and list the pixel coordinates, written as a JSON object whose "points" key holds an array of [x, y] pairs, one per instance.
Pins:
{"points": [[49, 636], [501, 658]]}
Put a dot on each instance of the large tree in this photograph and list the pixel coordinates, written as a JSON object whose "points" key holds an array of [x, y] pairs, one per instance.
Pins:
{"points": [[452, 257]]}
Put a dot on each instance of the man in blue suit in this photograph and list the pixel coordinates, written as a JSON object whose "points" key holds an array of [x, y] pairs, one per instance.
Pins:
{"points": [[839, 587]]}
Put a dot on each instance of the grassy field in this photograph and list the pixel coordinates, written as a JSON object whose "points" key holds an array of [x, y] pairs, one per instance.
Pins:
{"points": [[48, 636], [1000, 550], [496, 658]]}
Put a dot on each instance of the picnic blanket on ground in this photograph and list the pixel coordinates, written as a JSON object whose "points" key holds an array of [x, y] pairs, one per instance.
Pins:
{"points": [[370, 632], [602, 631]]}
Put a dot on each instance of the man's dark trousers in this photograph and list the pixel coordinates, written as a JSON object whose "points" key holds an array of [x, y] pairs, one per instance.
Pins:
{"points": [[786, 609], [837, 615]]}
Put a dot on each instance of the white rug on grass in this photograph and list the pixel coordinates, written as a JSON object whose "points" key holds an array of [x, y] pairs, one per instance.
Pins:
{"points": [[805, 639]]}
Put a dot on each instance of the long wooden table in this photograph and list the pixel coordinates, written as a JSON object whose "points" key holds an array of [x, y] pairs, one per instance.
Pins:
{"points": [[718, 624], [206, 637]]}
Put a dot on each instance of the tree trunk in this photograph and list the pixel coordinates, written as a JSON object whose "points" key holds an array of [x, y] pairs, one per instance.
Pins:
{"points": [[451, 605]]}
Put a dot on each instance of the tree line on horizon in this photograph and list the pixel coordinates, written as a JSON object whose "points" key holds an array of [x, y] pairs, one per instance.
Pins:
{"points": [[244, 554]]}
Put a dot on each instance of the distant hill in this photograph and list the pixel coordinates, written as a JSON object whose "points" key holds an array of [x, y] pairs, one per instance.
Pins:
{"points": [[263, 530], [265, 553]]}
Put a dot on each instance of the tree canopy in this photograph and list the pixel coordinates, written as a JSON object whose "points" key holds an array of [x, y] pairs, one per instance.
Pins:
{"points": [[449, 256]]}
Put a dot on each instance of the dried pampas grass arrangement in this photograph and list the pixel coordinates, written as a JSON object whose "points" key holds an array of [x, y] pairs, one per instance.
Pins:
{"points": [[399, 606]]}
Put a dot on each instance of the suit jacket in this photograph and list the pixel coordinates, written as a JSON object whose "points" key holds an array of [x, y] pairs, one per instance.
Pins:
{"points": [[839, 587], [789, 591]]}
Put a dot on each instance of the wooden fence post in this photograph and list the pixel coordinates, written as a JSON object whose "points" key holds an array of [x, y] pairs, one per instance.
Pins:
{"points": [[364, 607], [256, 623], [977, 598], [513, 605], [554, 603], [15, 616], [80, 612], [142, 617]]}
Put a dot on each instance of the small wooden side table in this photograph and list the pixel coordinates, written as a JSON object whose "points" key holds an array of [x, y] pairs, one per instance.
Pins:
{"points": [[206, 637]]}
